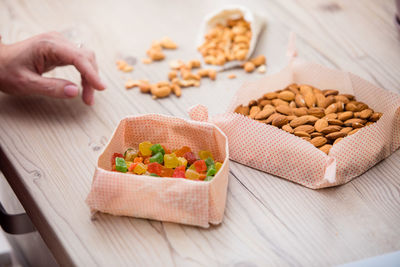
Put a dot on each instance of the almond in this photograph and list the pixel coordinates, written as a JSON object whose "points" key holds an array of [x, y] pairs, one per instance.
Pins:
{"points": [[286, 95], [300, 101], [325, 148], [366, 113], [331, 129], [279, 102], [321, 100], [349, 122], [292, 104], [305, 128], [317, 112], [299, 121], [332, 108], [346, 130], [329, 100], [279, 121], [311, 119], [330, 116], [264, 114], [318, 141], [361, 106], [305, 90], [356, 125], [315, 134], [294, 88], [286, 110], [376, 116], [252, 103], [345, 115], [302, 134], [348, 96], [342, 98], [308, 139], [330, 92], [272, 117], [351, 106], [310, 100], [265, 102], [253, 111], [335, 122], [335, 135], [291, 117], [339, 106], [270, 96], [287, 128], [300, 111], [321, 124]]}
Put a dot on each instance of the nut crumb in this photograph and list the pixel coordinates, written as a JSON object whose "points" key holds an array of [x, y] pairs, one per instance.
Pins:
{"points": [[232, 76]]}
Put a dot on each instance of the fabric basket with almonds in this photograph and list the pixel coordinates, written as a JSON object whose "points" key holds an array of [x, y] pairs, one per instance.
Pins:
{"points": [[306, 132]]}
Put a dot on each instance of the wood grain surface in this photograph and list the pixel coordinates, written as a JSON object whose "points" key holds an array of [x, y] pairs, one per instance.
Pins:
{"points": [[49, 147]]}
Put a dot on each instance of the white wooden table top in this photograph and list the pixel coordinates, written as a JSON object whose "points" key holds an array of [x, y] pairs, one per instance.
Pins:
{"points": [[49, 147]]}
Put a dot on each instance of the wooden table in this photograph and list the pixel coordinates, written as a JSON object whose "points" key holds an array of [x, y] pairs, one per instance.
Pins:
{"points": [[49, 147]]}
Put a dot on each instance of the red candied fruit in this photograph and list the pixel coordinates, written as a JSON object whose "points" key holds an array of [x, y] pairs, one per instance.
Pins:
{"points": [[190, 157], [166, 172], [155, 167], [116, 155], [200, 165], [181, 152], [179, 172]]}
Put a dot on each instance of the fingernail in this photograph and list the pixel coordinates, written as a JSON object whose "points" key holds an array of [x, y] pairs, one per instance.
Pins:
{"points": [[71, 90]]}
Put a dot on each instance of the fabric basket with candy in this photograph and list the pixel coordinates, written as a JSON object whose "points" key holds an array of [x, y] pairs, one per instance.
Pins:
{"points": [[163, 168]]}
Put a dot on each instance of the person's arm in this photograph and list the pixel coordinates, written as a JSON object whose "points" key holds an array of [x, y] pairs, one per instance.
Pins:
{"points": [[22, 64]]}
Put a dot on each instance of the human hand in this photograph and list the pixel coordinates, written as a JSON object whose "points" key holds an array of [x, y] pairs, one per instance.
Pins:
{"points": [[23, 63]]}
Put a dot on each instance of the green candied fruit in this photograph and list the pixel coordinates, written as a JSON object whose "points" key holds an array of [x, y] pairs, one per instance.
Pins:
{"points": [[209, 178], [211, 171], [120, 165], [157, 148], [158, 157], [209, 162], [155, 175]]}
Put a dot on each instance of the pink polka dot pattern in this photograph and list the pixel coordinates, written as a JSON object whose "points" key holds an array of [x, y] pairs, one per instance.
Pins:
{"points": [[272, 150], [165, 199]]}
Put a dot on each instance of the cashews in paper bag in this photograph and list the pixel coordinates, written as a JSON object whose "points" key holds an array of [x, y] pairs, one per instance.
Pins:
{"points": [[221, 16]]}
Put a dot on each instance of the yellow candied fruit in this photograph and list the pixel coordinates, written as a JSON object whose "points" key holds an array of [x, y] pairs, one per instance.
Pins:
{"points": [[144, 148], [205, 154], [218, 165], [140, 168], [182, 161], [192, 175], [171, 161]]}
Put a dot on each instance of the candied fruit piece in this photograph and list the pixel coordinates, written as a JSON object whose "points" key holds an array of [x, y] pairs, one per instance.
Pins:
{"points": [[144, 148], [170, 161]]}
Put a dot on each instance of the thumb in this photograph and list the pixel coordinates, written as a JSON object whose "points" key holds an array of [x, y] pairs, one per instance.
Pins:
{"points": [[53, 87]]}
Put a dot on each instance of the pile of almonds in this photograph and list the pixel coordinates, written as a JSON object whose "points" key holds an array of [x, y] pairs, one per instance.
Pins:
{"points": [[223, 44], [228, 42], [322, 117]]}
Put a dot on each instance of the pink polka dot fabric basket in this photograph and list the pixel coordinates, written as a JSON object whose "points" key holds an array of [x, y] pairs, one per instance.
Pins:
{"points": [[277, 152], [179, 200]]}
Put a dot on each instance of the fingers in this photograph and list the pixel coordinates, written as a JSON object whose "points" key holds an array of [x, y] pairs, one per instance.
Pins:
{"points": [[83, 59], [52, 87], [88, 92]]}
